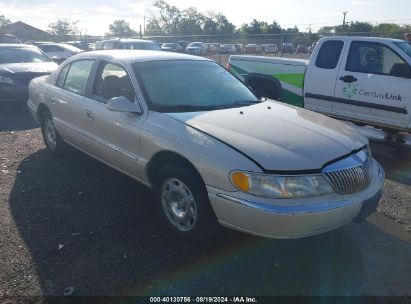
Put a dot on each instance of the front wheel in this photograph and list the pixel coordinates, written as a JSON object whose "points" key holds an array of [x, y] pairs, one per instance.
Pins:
{"points": [[183, 203]]}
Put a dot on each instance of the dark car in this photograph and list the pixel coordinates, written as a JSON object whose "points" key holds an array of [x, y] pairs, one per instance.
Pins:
{"points": [[172, 47], [252, 48], [128, 44], [288, 47], [301, 49], [20, 63], [183, 43]]}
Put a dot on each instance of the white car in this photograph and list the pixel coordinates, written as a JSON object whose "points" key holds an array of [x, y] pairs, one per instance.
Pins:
{"points": [[59, 51], [213, 153]]}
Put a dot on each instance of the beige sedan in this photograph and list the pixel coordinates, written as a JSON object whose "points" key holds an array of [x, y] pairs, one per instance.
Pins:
{"points": [[212, 152]]}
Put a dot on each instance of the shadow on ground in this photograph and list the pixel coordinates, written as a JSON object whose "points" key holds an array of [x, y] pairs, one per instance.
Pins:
{"points": [[94, 229], [15, 117]]}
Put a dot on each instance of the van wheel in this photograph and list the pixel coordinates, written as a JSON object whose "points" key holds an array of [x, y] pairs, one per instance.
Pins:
{"points": [[183, 204], [53, 141], [263, 88]]}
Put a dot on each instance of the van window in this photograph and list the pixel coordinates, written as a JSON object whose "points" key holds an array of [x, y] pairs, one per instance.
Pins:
{"points": [[329, 54], [372, 58]]}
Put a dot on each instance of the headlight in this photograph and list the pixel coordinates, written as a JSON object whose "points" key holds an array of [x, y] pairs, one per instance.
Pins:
{"points": [[7, 80], [280, 186]]}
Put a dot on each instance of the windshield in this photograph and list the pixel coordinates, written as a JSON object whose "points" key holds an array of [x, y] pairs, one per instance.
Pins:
{"points": [[405, 46], [21, 54], [188, 86], [141, 46]]}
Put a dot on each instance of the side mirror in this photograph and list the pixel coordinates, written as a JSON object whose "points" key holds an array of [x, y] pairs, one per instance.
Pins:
{"points": [[401, 70], [122, 104]]}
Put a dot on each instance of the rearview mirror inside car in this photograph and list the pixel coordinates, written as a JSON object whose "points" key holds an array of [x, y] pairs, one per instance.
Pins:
{"points": [[122, 104]]}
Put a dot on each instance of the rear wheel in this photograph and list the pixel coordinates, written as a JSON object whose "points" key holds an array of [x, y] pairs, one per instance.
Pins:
{"points": [[53, 141], [264, 88], [183, 203]]}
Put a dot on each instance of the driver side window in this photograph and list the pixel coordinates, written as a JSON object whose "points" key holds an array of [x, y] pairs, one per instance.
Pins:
{"points": [[112, 81], [372, 58]]}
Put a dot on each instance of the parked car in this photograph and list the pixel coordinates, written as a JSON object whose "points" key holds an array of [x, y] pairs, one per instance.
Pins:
{"points": [[271, 49], [288, 48], [301, 49], [210, 149], [363, 79], [59, 51], [239, 48], [129, 44], [172, 47], [196, 48], [228, 49], [20, 63], [7, 38], [252, 48], [183, 43]]}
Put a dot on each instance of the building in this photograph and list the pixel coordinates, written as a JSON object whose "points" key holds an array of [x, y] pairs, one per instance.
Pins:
{"points": [[26, 32]]}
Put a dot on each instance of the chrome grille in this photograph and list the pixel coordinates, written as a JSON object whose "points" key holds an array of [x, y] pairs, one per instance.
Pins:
{"points": [[346, 177]]}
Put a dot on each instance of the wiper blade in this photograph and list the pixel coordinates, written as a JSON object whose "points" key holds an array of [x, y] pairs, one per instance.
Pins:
{"points": [[246, 102]]}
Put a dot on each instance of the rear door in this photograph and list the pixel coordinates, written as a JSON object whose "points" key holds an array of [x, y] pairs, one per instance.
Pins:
{"points": [[321, 76], [66, 97], [367, 87]]}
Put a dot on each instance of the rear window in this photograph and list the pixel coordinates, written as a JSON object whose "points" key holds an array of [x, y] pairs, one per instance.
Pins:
{"points": [[329, 54]]}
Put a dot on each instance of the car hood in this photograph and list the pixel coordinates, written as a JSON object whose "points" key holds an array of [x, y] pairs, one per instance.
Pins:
{"points": [[193, 48], [278, 137], [30, 67]]}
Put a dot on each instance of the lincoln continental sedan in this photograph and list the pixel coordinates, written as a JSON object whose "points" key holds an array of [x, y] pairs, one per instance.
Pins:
{"points": [[213, 152]]}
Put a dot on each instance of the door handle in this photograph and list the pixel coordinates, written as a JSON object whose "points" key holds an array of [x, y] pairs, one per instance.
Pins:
{"points": [[90, 115], [348, 79]]}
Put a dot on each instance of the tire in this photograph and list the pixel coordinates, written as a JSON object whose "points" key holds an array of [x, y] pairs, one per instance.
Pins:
{"points": [[265, 89], [52, 139], [183, 204]]}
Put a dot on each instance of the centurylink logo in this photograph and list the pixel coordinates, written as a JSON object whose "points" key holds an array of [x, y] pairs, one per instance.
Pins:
{"points": [[350, 90]]}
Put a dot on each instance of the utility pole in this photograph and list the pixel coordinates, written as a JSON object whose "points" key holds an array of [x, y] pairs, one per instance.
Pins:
{"points": [[345, 14], [144, 25]]}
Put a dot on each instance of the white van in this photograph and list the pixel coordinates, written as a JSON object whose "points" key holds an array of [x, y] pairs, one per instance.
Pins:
{"points": [[362, 79]]}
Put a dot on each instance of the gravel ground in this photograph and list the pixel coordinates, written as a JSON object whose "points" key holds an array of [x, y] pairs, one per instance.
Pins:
{"points": [[74, 226]]}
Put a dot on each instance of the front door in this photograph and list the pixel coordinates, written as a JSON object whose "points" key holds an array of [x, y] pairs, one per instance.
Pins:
{"points": [[115, 135], [368, 88]]}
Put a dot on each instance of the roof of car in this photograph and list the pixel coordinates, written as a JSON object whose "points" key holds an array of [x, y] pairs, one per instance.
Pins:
{"points": [[137, 55], [127, 40], [360, 38], [18, 45]]}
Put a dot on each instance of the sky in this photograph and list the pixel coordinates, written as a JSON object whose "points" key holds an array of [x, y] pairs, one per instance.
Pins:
{"points": [[94, 16]]}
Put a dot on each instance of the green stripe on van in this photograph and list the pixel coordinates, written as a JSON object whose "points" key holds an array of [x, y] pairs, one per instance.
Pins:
{"points": [[296, 80], [292, 99]]}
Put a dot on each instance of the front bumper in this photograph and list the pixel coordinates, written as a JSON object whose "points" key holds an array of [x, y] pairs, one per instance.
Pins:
{"points": [[295, 218], [13, 93]]}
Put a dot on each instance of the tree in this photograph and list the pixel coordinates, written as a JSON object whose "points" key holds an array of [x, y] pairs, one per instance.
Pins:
{"points": [[121, 28], [64, 27], [4, 21]]}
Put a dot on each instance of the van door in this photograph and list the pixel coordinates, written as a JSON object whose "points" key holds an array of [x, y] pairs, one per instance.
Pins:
{"points": [[321, 76], [368, 88]]}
